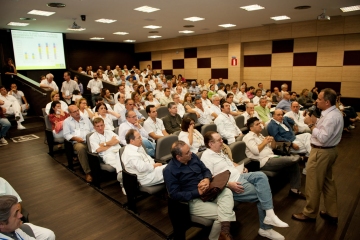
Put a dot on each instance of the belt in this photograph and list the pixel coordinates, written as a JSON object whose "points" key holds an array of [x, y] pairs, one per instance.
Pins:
{"points": [[96, 94], [321, 147]]}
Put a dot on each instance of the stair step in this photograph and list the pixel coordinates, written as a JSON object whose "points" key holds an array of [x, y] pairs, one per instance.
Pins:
{"points": [[32, 127], [27, 119]]}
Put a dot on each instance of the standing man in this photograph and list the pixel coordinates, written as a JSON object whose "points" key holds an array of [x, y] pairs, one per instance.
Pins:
{"points": [[326, 134], [95, 86], [19, 95], [68, 87]]}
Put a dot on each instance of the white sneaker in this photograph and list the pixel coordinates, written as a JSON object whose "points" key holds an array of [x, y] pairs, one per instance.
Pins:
{"points": [[275, 221], [271, 234], [2, 144], [20, 127], [304, 171], [123, 191], [351, 126], [3, 141], [24, 113]]}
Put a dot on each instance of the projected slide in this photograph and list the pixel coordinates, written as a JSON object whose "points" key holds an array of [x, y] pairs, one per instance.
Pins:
{"points": [[38, 50]]}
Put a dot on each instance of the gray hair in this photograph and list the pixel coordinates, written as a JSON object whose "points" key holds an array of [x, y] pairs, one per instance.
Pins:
{"points": [[282, 86], [176, 148], [249, 105], [173, 95], [215, 96], [193, 82], [49, 75], [6, 203]]}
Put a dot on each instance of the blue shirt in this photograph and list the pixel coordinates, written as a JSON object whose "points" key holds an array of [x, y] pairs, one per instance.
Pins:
{"points": [[284, 105], [182, 180], [279, 133]]}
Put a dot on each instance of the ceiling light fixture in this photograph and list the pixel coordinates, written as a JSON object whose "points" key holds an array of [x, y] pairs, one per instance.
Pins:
{"points": [[351, 8], [41, 13], [146, 9], [152, 27], [129, 40], [279, 18], [120, 33], [227, 25], [97, 38], [194, 19], [18, 24], [56, 5], [186, 31], [154, 36], [76, 29], [104, 20], [252, 7]]}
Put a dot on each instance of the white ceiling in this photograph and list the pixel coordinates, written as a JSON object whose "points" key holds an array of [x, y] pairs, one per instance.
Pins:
{"points": [[170, 16]]}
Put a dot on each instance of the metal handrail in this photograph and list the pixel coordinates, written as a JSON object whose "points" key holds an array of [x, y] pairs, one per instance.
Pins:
{"points": [[30, 80]]}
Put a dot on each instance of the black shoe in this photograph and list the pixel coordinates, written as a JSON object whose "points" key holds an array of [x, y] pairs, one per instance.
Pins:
{"points": [[17, 118], [298, 194], [332, 220]]}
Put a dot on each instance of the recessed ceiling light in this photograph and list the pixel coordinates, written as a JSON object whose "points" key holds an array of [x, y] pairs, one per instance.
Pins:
{"points": [[278, 18], [146, 9], [252, 7], [152, 27], [56, 5], [154, 36], [351, 8], [41, 13], [194, 19], [188, 26], [104, 20], [186, 31], [302, 7], [227, 25], [76, 29], [97, 38], [120, 33], [129, 40], [27, 19], [19, 24]]}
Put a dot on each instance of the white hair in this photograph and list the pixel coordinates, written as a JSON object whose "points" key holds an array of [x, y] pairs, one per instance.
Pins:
{"points": [[49, 75], [215, 96]]}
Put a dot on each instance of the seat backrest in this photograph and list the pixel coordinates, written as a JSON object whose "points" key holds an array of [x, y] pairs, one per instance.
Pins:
{"points": [[176, 133], [43, 112], [264, 132], [240, 121], [208, 127], [88, 142], [163, 145], [116, 123], [116, 130], [162, 111], [238, 151], [47, 123], [121, 151], [192, 116], [144, 113], [199, 154]]}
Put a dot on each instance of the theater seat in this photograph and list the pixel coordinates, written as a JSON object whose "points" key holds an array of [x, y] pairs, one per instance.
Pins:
{"points": [[240, 124], [51, 141], [163, 146], [239, 156], [162, 111], [208, 127]]}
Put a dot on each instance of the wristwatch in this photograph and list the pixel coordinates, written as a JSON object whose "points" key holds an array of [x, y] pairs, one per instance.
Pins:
{"points": [[104, 144]]}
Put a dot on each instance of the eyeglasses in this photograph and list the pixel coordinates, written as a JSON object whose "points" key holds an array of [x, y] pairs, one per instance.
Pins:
{"points": [[219, 140], [192, 123]]}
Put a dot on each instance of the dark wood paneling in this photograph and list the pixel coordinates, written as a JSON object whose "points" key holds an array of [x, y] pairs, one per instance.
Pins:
{"points": [[143, 56], [156, 64], [190, 52], [204, 62], [219, 73], [168, 72], [354, 102], [305, 59], [351, 58], [334, 85], [278, 83], [283, 46], [257, 60], [178, 63]]}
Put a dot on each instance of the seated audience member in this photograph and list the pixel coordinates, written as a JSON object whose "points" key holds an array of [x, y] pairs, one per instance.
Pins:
{"points": [[132, 122], [81, 86], [138, 104], [101, 100], [101, 111], [261, 87], [349, 113], [284, 88], [172, 121], [226, 125], [220, 80], [293, 96], [166, 99], [77, 136], [120, 105], [68, 87], [189, 105], [158, 92], [285, 103], [313, 94], [150, 100], [268, 96], [304, 99], [186, 179], [241, 96], [211, 91], [298, 117], [180, 107], [8, 198], [179, 90], [55, 96], [281, 128], [263, 111], [191, 136], [206, 114], [250, 93], [257, 97], [260, 148], [245, 186], [121, 90], [202, 85], [276, 95], [250, 112], [85, 110], [153, 125], [5, 126], [215, 106], [193, 89], [233, 109], [204, 99], [108, 98], [141, 92], [10, 105], [129, 106], [221, 92], [212, 82], [49, 83], [19, 95], [76, 96], [227, 88], [137, 161], [57, 117]]}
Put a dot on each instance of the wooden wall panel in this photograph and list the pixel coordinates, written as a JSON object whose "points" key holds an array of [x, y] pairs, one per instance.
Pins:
{"points": [[350, 89], [179, 71], [309, 44], [333, 58], [190, 63], [204, 73], [328, 74], [332, 27], [304, 29], [217, 38], [234, 73], [257, 73], [219, 62], [255, 83], [304, 74], [298, 86], [255, 48], [204, 52], [167, 64], [143, 64], [282, 59], [350, 74], [281, 31], [198, 40], [255, 34], [352, 42], [219, 50], [281, 73], [190, 73], [156, 55], [352, 24], [331, 43], [234, 36]]}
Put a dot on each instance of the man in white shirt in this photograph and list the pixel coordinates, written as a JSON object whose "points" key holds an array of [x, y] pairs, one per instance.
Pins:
{"points": [[120, 105], [242, 97], [180, 92], [129, 106], [68, 87], [153, 125], [49, 83], [212, 82], [101, 100], [250, 112], [298, 117], [19, 95], [180, 107], [133, 123], [10, 105], [246, 187], [121, 90], [206, 114], [166, 99], [136, 161], [158, 92], [204, 99], [260, 148], [95, 86], [193, 89], [215, 106], [226, 125], [257, 97], [261, 87]]}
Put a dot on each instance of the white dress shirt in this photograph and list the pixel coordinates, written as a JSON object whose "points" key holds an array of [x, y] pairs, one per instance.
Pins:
{"points": [[198, 140], [205, 116], [125, 127], [52, 84], [206, 103], [180, 110], [119, 107], [64, 107], [243, 98], [299, 120], [256, 100], [108, 120], [215, 109], [95, 86], [156, 127], [247, 116], [226, 127], [222, 94], [158, 94]]}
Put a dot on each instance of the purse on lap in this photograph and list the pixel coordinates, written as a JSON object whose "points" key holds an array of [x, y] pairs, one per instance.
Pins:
{"points": [[217, 185]]}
